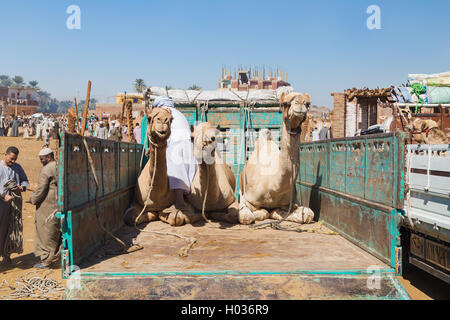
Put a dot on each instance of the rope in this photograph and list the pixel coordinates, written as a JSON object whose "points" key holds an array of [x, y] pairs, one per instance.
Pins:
{"points": [[418, 89], [14, 241], [34, 285], [206, 195]]}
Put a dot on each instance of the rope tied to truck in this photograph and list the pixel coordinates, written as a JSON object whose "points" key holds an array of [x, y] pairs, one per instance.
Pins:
{"points": [[14, 242]]}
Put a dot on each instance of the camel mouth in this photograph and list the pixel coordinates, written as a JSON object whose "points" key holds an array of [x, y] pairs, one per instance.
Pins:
{"points": [[161, 133]]}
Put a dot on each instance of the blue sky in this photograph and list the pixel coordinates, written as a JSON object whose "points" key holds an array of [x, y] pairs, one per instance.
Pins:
{"points": [[324, 46]]}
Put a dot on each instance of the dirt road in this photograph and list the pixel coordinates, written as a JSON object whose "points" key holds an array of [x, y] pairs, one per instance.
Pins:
{"points": [[418, 284]]}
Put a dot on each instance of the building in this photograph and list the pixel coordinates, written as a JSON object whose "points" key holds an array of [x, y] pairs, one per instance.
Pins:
{"points": [[357, 109], [248, 79], [20, 100]]}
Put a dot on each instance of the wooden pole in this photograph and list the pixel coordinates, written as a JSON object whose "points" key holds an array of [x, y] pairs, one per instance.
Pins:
{"points": [[76, 114], [86, 108]]}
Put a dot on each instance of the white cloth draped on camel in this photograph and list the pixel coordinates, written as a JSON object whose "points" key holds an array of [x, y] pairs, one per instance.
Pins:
{"points": [[181, 164]]}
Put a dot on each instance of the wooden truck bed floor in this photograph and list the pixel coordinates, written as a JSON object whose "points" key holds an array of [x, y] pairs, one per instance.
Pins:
{"points": [[223, 247]]}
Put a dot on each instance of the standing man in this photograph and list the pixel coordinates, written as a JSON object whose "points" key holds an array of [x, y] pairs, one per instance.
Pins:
{"points": [[102, 132], [13, 181], [137, 133], [15, 127], [47, 242]]}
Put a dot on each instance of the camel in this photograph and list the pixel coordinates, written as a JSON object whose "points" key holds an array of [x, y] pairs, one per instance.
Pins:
{"points": [[213, 179], [426, 132], [422, 131], [268, 178], [160, 202]]}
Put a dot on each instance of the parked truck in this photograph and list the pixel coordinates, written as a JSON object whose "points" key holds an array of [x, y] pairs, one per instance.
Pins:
{"points": [[355, 186], [426, 229]]}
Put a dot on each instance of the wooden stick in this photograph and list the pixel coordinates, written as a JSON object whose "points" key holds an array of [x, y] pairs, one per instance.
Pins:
{"points": [[86, 108], [76, 114], [124, 101]]}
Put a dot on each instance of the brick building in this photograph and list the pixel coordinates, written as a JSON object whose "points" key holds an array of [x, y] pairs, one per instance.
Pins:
{"points": [[358, 109], [246, 79], [21, 101]]}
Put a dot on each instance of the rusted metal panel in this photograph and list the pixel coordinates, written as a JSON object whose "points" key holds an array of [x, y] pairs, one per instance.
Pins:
{"points": [[240, 287], [95, 150], [108, 150], [337, 170], [355, 168], [380, 169], [123, 165], [81, 212], [76, 179], [357, 197]]}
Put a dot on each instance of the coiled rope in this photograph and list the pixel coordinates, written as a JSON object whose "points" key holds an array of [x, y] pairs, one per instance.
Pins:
{"points": [[34, 285]]}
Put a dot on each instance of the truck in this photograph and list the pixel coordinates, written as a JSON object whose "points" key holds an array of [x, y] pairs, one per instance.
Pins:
{"points": [[426, 231], [355, 186]]}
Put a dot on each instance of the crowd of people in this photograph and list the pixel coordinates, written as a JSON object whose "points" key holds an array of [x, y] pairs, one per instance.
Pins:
{"points": [[43, 128]]}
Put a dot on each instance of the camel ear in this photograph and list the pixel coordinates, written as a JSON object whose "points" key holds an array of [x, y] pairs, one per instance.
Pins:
{"points": [[282, 97]]}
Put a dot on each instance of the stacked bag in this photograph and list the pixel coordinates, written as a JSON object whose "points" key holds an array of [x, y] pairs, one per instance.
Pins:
{"points": [[424, 88]]}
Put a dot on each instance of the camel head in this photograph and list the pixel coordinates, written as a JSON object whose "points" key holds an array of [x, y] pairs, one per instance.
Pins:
{"points": [[205, 142], [296, 106], [159, 121]]}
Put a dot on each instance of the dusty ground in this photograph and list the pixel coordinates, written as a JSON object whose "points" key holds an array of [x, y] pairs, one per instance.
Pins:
{"points": [[418, 284]]}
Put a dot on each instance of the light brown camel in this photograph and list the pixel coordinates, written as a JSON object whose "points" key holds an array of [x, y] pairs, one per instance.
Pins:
{"points": [[159, 203], [426, 132], [268, 178], [213, 179]]}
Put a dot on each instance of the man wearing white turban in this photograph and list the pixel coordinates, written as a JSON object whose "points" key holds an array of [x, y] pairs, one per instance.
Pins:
{"points": [[181, 164]]}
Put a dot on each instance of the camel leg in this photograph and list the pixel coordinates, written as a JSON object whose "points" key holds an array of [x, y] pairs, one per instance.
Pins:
{"points": [[231, 215], [130, 215], [176, 217], [261, 214], [246, 215], [300, 214]]}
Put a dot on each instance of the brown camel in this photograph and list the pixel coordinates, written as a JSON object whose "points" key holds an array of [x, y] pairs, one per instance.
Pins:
{"points": [[159, 201], [214, 178], [426, 132], [268, 178]]}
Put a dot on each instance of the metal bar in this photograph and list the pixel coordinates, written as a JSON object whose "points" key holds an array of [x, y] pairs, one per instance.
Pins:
{"points": [[430, 269]]}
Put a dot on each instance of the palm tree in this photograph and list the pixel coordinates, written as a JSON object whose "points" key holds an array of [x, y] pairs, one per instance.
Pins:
{"points": [[5, 81], [139, 85], [194, 87], [18, 80], [33, 84]]}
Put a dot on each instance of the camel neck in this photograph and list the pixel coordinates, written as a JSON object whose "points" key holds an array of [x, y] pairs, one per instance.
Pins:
{"points": [[205, 171], [161, 160], [290, 144]]}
